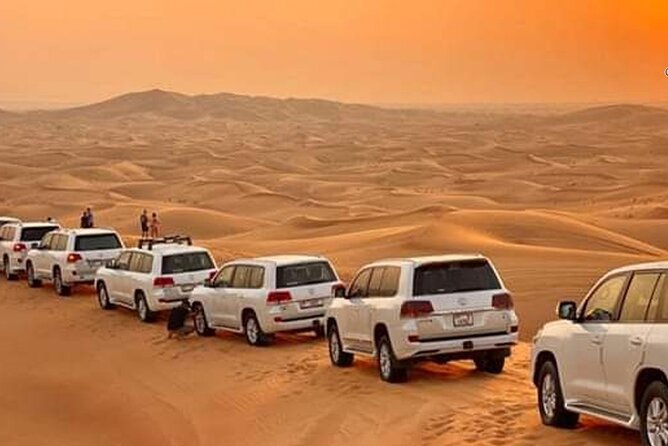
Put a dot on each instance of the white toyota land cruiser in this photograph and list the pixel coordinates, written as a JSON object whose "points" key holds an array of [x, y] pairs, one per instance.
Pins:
{"points": [[68, 257], [154, 277], [441, 308], [266, 295], [609, 357], [15, 241]]}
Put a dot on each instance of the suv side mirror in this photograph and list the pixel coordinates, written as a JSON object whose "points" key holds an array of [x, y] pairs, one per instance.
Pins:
{"points": [[208, 283], [567, 310]]}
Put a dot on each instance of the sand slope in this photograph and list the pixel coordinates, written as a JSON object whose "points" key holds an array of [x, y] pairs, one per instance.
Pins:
{"points": [[554, 199]]}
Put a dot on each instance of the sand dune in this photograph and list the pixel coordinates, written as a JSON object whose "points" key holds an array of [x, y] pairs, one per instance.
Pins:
{"points": [[555, 199]]}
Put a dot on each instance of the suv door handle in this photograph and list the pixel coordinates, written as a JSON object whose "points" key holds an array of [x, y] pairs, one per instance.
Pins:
{"points": [[636, 340], [597, 341]]}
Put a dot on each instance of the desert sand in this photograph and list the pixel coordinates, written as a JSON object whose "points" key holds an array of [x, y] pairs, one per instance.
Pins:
{"points": [[555, 197]]}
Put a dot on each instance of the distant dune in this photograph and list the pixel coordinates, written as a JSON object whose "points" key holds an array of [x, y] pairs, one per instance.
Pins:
{"points": [[623, 113]]}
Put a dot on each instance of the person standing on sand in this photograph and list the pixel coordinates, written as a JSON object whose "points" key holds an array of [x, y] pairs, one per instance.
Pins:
{"points": [[84, 220], [143, 222], [155, 226]]}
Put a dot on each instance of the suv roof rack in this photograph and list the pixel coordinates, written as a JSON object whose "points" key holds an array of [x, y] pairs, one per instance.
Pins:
{"points": [[148, 243]]}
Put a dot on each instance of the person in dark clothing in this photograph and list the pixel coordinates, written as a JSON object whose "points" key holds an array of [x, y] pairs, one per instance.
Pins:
{"points": [[143, 222], [84, 220], [91, 220], [176, 324]]}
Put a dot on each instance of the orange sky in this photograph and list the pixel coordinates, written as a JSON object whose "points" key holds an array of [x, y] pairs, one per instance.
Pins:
{"points": [[401, 51]]}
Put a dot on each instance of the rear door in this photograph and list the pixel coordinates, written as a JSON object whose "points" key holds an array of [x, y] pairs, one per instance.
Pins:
{"points": [[461, 294], [353, 332], [215, 296], [40, 260], [624, 345], [120, 279], [188, 269], [230, 298], [97, 250]]}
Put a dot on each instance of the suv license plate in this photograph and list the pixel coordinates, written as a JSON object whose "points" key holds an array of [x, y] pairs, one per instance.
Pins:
{"points": [[312, 303], [462, 319]]}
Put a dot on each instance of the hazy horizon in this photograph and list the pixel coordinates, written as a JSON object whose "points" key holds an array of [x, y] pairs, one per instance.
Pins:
{"points": [[375, 52]]}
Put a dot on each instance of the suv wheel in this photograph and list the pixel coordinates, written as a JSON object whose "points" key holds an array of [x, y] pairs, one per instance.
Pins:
{"points": [[58, 285], [654, 415], [391, 370], [32, 281], [143, 311], [103, 297], [201, 324], [254, 334], [551, 399], [490, 363], [7, 269], [338, 357]]}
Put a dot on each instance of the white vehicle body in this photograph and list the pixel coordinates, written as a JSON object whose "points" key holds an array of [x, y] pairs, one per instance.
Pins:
{"points": [[150, 281], [272, 294], [442, 307], [4, 220], [68, 257], [607, 352], [15, 241]]}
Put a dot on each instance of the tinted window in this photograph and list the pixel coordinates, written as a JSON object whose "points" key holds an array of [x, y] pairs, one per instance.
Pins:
{"points": [[602, 304], [375, 281], [123, 261], [185, 263], [60, 242], [304, 274], [46, 241], [638, 297], [146, 265], [454, 277], [359, 287], [135, 262], [35, 234], [658, 310], [96, 242], [8, 233], [390, 284], [224, 278], [241, 275], [256, 277]]}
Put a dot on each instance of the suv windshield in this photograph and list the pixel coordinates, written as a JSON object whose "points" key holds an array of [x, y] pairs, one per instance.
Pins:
{"points": [[304, 274], [185, 263], [36, 234], [454, 277], [96, 242]]}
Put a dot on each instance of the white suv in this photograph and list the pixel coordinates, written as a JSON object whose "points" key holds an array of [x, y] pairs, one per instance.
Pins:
{"points": [[441, 308], [15, 241], [154, 277], [71, 256], [266, 295], [609, 357]]}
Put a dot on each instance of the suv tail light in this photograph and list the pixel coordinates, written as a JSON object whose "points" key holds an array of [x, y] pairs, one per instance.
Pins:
{"points": [[338, 290], [19, 247], [278, 297], [416, 308], [73, 257], [503, 301], [163, 282]]}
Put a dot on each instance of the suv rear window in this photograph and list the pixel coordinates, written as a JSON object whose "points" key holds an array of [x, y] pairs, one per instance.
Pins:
{"points": [[301, 274], [186, 263], [454, 277], [96, 242], [35, 234]]}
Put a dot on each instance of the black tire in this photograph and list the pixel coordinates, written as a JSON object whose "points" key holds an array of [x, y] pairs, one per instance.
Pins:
{"points": [[32, 281], [59, 287], [551, 407], [253, 331], [338, 357], [490, 363], [143, 310], [654, 397], [103, 297], [201, 323], [7, 270], [391, 370]]}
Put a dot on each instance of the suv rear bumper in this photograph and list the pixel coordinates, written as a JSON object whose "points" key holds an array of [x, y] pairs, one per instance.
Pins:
{"points": [[460, 346], [273, 323]]}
